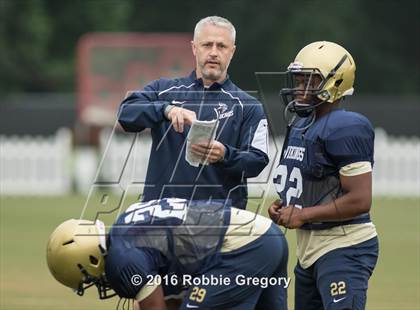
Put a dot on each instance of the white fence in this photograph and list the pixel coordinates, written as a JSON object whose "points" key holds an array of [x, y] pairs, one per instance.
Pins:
{"points": [[36, 165], [49, 165], [397, 165]]}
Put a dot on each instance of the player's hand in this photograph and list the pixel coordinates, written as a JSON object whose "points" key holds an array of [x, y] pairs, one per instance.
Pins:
{"points": [[180, 117], [212, 152], [291, 217], [273, 210]]}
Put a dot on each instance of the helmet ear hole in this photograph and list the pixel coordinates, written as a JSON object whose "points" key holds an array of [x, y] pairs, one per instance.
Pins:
{"points": [[338, 82], [93, 260]]}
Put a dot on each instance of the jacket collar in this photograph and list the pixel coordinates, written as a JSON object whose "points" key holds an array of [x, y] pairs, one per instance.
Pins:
{"points": [[214, 86]]}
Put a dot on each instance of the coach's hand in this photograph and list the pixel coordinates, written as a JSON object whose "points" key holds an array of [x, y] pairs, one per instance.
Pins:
{"points": [[273, 210], [180, 117], [291, 217], [212, 152]]}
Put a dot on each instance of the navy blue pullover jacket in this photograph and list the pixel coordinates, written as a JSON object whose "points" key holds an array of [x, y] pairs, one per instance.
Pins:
{"points": [[242, 129]]}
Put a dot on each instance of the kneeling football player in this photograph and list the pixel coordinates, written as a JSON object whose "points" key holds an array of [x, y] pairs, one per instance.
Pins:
{"points": [[211, 255]]}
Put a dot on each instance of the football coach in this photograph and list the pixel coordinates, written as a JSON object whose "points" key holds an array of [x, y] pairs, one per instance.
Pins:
{"points": [[169, 106]]}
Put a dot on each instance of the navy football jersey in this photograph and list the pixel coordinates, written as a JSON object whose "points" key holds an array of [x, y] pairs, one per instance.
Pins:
{"points": [[160, 237], [308, 172]]}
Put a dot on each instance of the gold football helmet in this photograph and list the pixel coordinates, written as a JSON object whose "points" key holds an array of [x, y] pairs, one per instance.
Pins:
{"points": [[75, 256], [323, 72]]}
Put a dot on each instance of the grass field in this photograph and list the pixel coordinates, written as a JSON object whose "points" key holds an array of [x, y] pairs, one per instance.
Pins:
{"points": [[27, 284]]}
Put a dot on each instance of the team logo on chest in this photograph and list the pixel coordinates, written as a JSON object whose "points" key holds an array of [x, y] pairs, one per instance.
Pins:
{"points": [[222, 112]]}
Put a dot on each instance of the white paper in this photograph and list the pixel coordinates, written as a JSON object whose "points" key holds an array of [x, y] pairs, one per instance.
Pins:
{"points": [[200, 131]]}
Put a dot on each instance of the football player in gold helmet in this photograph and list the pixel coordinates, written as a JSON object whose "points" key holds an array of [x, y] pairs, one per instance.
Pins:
{"points": [[324, 181]]}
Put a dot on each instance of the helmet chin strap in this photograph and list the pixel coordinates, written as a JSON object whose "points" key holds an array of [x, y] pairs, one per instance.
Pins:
{"points": [[291, 108]]}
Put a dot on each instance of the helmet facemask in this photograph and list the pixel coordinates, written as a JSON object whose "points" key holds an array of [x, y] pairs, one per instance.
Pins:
{"points": [[104, 289], [301, 94]]}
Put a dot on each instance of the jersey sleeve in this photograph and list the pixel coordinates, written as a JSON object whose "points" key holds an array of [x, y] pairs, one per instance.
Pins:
{"points": [[251, 157], [351, 144], [129, 271], [354, 169], [142, 109]]}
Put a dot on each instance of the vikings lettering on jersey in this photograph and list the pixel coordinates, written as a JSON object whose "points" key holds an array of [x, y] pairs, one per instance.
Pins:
{"points": [[294, 152]]}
